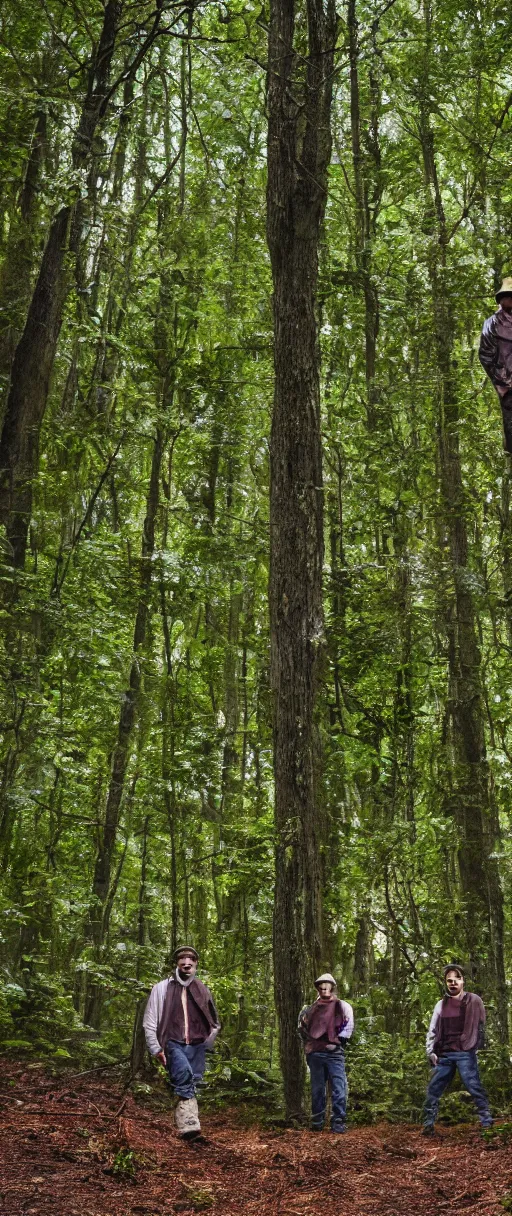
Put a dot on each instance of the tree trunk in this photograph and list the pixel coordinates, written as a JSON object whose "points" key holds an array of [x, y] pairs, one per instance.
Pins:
{"points": [[35, 353], [16, 270], [138, 1049], [299, 102], [368, 191], [168, 777]]}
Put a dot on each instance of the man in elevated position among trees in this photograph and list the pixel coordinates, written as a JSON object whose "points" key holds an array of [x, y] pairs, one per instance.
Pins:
{"points": [[495, 355], [324, 1028], [455, 1033], [181, 1024]]}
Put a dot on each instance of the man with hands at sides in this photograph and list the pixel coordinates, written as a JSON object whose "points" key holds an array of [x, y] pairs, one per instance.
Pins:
{"points": [[453, 1039], [181, 1025], [324, 1028]]}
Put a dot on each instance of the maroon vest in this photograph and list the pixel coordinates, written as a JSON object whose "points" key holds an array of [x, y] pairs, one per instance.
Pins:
{"points": [[322, 1021], [201, 1013], [451, 1027]]}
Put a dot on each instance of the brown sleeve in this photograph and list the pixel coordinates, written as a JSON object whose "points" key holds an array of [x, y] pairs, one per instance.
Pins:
{"points": [[488, 352]]}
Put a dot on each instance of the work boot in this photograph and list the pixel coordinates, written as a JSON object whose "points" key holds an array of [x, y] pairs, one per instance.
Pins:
{"points": [[428, 1130], [186, 1118]]}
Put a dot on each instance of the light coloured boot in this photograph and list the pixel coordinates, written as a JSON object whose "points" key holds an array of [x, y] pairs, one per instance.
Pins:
{"points": [[186, 1118]]}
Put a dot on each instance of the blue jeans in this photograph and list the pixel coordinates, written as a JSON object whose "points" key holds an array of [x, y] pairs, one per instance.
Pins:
{"points": [[185, 1064], [327, 1066], [467, 1064]]}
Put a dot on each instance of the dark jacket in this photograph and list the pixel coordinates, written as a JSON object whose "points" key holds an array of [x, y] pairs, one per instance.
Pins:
{"points": [[495, 351], [201, 1013], [472, 1038], [325, 1025]]}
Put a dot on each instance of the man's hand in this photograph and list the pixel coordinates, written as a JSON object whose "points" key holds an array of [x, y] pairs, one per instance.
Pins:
{"points": [[161, 1058], [433, 1059]]}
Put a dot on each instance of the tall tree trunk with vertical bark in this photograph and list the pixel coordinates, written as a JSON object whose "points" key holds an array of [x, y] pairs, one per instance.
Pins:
{"points": [[16, 270], [368, 191], [34, 356], [138, 1053], [301, 47]]}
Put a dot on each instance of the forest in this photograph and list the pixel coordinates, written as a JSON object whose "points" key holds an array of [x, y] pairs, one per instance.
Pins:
{"points": [[255, 529]]}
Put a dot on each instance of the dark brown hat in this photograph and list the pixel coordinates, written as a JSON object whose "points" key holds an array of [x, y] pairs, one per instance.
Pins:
{"points": [[185, 950], [454, 967]]}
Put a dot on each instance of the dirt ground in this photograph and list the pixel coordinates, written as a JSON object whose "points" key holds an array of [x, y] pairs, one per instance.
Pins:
{"points": [[83, 1147]]}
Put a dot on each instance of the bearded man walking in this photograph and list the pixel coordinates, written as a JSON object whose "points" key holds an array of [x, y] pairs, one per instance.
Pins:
{"points": [[324, 1028], [495, 354], [454, 1036], [181, 1025]]}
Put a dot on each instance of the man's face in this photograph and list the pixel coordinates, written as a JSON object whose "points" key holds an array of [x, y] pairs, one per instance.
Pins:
{"points": [[506, 303], [454, 983], [325, 990], [187, 965]]}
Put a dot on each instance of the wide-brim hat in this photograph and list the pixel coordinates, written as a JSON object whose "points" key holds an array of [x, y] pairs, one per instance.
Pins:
{"points": [[184, 950], [326, 979], [505, 289]]}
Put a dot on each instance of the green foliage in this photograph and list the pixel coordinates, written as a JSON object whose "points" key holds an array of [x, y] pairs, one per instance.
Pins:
{"points": [[167, 331], [195, 1198], [496, 1072], [125, 1164], [387, 1079], [498, 1135], [243, 1081], [11, 996]]}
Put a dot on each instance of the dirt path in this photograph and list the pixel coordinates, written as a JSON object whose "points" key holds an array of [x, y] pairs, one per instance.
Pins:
{"points": [[70, 1148]]}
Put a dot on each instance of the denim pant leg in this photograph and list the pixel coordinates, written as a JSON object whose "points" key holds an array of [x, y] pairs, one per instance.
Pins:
{"points": [[337, 1077], [441, 1077], [467, 1064], [319, 1074], [196, 1056], [180, 1071]]}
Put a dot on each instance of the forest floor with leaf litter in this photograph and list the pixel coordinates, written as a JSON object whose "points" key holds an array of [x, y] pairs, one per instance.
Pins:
{"points": [[85, 1147]]}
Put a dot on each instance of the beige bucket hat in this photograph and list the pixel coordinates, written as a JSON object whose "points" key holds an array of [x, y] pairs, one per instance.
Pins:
{"points": [[505, 289], [326, 978]]}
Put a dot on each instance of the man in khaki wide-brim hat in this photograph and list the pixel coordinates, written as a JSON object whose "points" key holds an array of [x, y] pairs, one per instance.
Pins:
{"points": [[495, 355]]}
